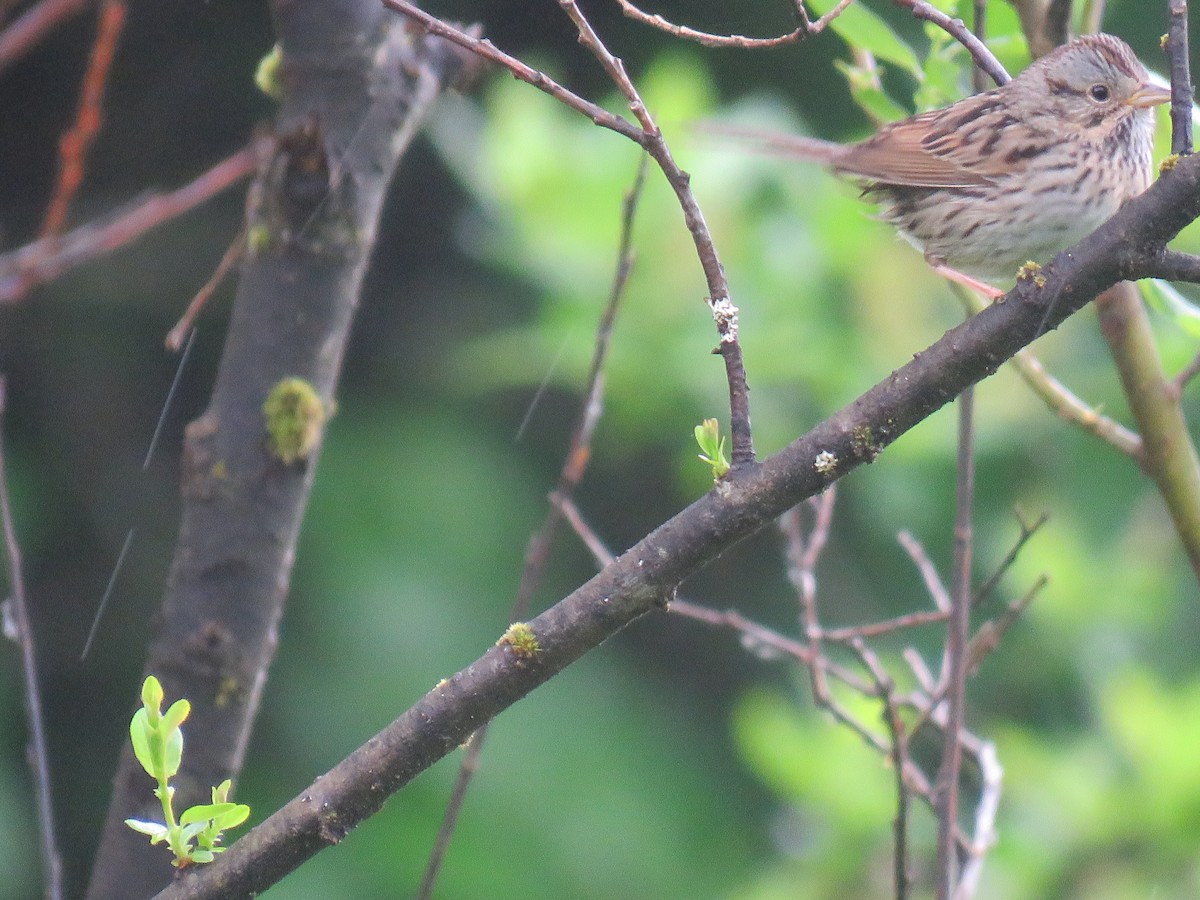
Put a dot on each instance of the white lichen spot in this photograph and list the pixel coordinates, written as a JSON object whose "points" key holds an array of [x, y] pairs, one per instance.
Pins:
{"points": [[825, 463], [725, 314]]}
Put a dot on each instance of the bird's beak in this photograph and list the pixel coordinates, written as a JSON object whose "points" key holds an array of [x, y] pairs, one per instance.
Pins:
{"points": [[1149, 95]]}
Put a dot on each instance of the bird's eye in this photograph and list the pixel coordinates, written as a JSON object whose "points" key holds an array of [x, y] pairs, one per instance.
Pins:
{"points": [[1099, 92]]}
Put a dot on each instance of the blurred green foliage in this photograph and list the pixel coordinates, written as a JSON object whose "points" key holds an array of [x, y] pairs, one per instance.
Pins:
{"points": [[670, 763]]}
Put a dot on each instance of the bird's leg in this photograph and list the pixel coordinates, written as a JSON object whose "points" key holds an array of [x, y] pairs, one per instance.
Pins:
{"points": [[989, 291]]}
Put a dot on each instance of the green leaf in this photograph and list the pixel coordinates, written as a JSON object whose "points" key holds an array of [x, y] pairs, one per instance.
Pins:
{"points": [[864, 30], [156, 831], [202, 856], [205, 811], [172, 752], [943, 72], [1164, 298], [152, 696], [190, 831], [141, 734], [867, 93], [176, 714], [233, 818]]}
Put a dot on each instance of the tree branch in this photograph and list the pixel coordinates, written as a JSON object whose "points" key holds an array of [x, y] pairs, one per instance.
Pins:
{"points": [[645, 577], [1181, 77], [1169, 457], [39, 752], [357, 85]]}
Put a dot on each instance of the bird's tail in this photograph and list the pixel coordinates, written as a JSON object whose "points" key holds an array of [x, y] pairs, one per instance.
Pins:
{"points": [[791, 145]]}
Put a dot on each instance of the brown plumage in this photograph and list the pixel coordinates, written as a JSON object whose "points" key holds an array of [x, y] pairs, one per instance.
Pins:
{"points": [[1013, 174]]}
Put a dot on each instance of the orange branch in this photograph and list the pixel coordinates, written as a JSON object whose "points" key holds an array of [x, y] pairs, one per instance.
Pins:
{"points": [[73, 147]]}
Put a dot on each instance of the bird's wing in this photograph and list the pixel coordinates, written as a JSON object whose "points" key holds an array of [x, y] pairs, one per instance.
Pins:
{"points": [[932, 150]]}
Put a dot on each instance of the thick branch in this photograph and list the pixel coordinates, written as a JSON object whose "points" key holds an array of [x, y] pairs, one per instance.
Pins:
{"points": [[645, 577], [356, 88], [1168, 456]]}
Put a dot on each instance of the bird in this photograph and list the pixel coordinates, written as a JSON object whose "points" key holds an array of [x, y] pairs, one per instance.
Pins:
{"points": [[1010, 175]]}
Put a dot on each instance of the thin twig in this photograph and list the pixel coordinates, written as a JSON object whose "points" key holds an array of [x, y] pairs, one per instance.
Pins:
{"points": [[1071, 408], [183, 328], [987, 808], [538, 551], [933, 582], [46, 259], [958, 627], [539, 80], [1056, 395], [1181, 77], [706, 39], [987, 638], [954, 671], [34, 25], [802, 556], [756, 638], [982, 56], [73, 147], [887, 626], [1185, 376], [885, 689], [1027, 531], [725, 314], [39, 756]]}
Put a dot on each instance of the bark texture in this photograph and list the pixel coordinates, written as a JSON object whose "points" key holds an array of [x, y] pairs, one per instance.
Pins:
{"points": [[356, 85]]}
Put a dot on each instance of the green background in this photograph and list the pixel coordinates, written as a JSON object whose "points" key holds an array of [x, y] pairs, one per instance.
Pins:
{"points": [[671, 762]]}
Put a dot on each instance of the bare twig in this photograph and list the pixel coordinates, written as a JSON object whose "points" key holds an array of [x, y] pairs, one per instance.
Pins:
{"points": [[487, 50], [954, 671], [1181, 77], [183, 328], [933, 581], [73, 147], [1069, 407], [1057, 396], [887, 626], [988, 637], [34, 25], [39, 756], [983, 57], [802, 556], [958, 627], [885, 689], [987, 807], [1185, 376], [1027, 531], [725, 314], [805, 29], [46, 259], [538, 552]]}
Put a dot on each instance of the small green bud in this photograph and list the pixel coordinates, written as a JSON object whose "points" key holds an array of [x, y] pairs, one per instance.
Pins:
{"points": [[521, 638], [294, 417], [266, 76]]}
